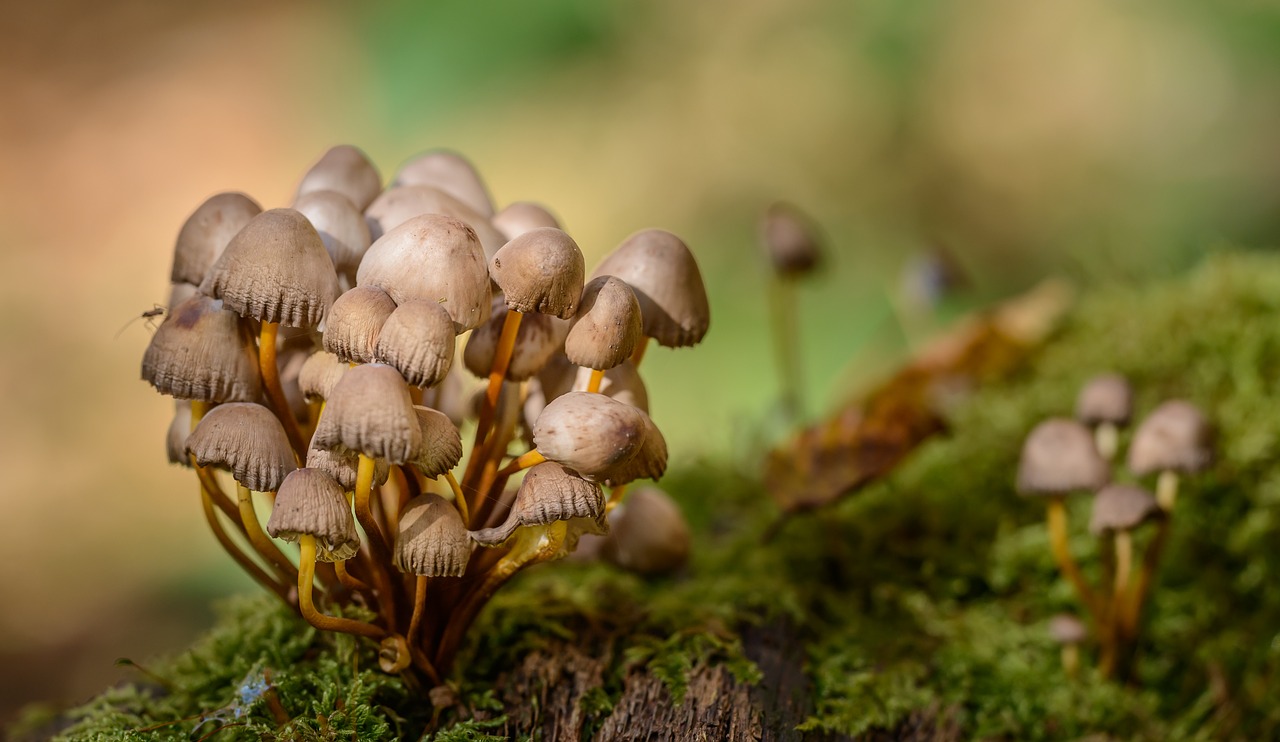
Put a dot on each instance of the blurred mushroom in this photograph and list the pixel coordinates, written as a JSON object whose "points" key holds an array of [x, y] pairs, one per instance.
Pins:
{"points": [[1118, 509], [1175, 438], [1105, 404], [341, 227], [522, 216], [206, 233], [451, 173], [1069, 632], [647, 534], [346, 170]]}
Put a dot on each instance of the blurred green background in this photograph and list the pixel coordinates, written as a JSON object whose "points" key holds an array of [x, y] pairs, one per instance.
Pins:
{"points": [[1109, 142]]}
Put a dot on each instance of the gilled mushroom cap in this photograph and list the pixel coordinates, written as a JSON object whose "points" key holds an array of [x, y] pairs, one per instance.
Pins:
{"points": [[607, 327], [1067, 629], [370, 412], [418, 340], [659, 268], [354, 323], [1176, 436], [207, 232], [537, 339], [451, 173], [203, 352], [522, 216], [549, 492], [433, 541], [1058, 457], [319, 374], [311, 503], [402, 203], [441, 448], [647, 533], [1121, 507], [275, 270], [432, 258], [346, 170], [650, 461], [341, 226], [1106, 398], [589, 433], [540, 271], [790, 238], [179, 429], [343, 467], [247, 439]]}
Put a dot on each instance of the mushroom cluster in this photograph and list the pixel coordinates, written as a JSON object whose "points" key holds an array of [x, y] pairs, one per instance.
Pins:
{"points": [[1064, 456], [311, 353]]}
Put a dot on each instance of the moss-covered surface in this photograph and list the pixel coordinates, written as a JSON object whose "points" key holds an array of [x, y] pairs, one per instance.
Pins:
{"points": [[927, 591]]}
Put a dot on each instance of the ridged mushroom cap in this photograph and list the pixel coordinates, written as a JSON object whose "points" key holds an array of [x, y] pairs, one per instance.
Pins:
{"points": [[370, 412], [179, 429], [549, 492], [1067, 629], [320, 373], [540, 271], [589, 433], [1122, 507], [1106, 398], [348, 171], [537, 339], [790, 239], [1058, 457], [206, 233], [441, 448], [649, 462], [522, 216], [398, 205], [432, 258], [275, 270], [311, 503], [1176, 436], [418, 340], [451, 173], [247, 439], [608, 325], [432, 541], [343, 467], [659, 268], [647, 533], [355, 321], [341, 226], [203, 352]]}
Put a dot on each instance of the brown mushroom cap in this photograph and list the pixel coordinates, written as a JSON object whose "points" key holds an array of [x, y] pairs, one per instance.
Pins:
{"points": [[1176, 436], [1121, 507], [432, 541], [441, 448], [790, 238], [249, 440], [537, 339], [540, 271], [275, 270], [311, 503], [522, 216], [179, 429], [319, 374], [649, 462], [346, 170], [452, 395], [662, 272], [1067, 629], [1059, 457], [203, 352], [418, 340], [206, 233], [370, 412], [607, 326], [451, 173], [341, 226], [549, 492], [351, 330], [589, 433], [343, 467], [1106, 398], [432, 258], [398, 205], [291, 360], [647, 533]]}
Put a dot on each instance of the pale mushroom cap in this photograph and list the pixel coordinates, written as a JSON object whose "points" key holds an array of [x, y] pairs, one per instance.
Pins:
{"points": [[348, 171], [319, 374], [540, 271], [441, 448], [432, 258], [418, 340], [247, 439], [790, 239], [648, 533], [522, 216], [432, 541], [370, 412], [537, 340], [311, 503], [561, 376], [206, 233], [589, 433], [662, 272], [549, 492], [452, 395], [179, 429], [1106, 398], [1067, 629], [342, 466], [398, 205], [275, 270], [451, 173], [1058, 457], [607, 326], [1176, 436], [180, 292], [649, 462], [203, 352], [341, 226], [354, 323], [1122, 507]]}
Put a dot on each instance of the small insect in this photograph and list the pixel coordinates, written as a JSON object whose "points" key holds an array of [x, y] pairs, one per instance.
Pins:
{"points": [[150, 316]]}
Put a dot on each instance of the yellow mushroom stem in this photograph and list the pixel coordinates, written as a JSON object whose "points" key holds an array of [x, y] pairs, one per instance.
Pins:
{"points": [[275, 392], [1071, 659], [348, 580], [1107, 439], [1131, 610], [380, 551], [306, 578], [597, 377], [1167, 490], [459, 500], [498, 372], [242, 559], [524, 461], [637, 355], [615, 498], [1057, 517], [786, 336], [258, 537], [1124, 565]]}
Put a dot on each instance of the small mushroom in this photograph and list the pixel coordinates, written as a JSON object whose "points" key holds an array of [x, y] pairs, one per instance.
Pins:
{"points": [[1174, 439], [522, 216], [402, 203], [441, 448], [206, 233], [202, 352], [647, 534], [355, 322], [538, 338], [369, 412], [433, 541], [790, 239], [1069, 632], [342, 229], [1106, 405], [1119, 509], [344, 467], [179, 429], [319, 374], [247, 439], [590, 433], [418, 341], [606, 329], [346, 170], [451, 173], [549, 492]]}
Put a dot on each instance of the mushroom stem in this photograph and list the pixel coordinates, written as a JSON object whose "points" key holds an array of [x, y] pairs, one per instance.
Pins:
{"points": [[1107, 438], [524, 461], [1071, 660], [348, 580], [615, 498], [258, 537], [597, 377], [1167, 490], [247, 564], [1131, 610], [1124, 566], [1057, 517], [637, 355], [419, 605], [459, 500], [275, 392], [786, 338], [498, 372], [380, 552], [306, 578]]}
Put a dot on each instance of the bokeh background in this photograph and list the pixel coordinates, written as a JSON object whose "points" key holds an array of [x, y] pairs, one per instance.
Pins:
{"points": [[1111, 142]]}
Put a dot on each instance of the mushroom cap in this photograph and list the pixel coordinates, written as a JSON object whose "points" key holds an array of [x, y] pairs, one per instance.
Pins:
{"points": [[1058, 457], [275, 270], [206, 233], [537, 340], [1176, 436], [1105, 398], [607, 326], [202, 351], [432, 541], [1065, 628], [659, 268], [622, 382], [790, 238], [649, 462], [540, 271], [521, 216], [341, 226], [343, 467], [311, 503], [179, 429], [432, 258], [355, 320], [647, 533], [348, 171], [370, 412], [549, 492], [1122, 507], [418, 340], [452, 395], [319, 374], [441, 448], [249, 440], [589, 433], [451, 173], [180, 292], [398, 205]]}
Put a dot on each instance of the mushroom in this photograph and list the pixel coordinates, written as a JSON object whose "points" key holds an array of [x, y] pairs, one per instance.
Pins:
{"points": [[647, 534], [606, 328], [522, 216], [791, 242], [206, 233], [201, 352], [1106, 405], [342, 228], [440, 452], [432, 542], [539, 337], [418, 341], [590, 433], [1069, 632], [1175, 438], [402, 203], [549, 492], [355, 322], [346, 170], [1119, 509], [451, 173]]}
